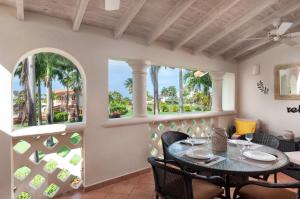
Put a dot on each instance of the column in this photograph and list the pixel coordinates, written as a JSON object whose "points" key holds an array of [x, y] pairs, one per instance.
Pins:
{"points": [[139, 78], [217, 84]]}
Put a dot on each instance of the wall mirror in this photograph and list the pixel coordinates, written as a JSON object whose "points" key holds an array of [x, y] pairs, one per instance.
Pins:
{"points": [[287, 82]]}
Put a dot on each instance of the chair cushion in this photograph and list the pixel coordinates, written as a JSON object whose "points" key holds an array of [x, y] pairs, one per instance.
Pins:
{"points": [[259, 192], [294, 157], [244, 126], [205, 190]]}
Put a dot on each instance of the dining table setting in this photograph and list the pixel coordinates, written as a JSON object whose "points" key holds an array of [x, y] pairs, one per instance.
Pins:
{"points": [[238, 159]]}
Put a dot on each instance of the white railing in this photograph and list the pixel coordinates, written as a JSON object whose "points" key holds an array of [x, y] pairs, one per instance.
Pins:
{"points": [[195, 127], [47, 160]]}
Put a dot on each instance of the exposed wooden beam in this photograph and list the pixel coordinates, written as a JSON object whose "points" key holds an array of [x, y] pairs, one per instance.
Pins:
{"points": [[257, 44], [257, 52], [20, 9], [249, 48], [80, 11], [290, 7], [126, 19], [255, 10], [169, 19], [210, 17]]}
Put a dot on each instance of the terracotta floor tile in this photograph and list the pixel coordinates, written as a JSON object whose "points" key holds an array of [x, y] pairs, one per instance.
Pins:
{"points": [[140, 196], [116, 196], [139, 187], [122, 188]]}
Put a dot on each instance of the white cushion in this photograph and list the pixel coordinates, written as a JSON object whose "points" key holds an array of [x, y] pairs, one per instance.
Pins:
{"points": [[294, 157]]}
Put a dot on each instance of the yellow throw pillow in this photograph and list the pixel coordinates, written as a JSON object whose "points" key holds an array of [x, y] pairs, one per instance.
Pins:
{"points": [[244, 126]]}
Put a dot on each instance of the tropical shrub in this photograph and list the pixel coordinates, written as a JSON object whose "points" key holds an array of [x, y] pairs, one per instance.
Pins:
{"points": [[149, 108], [119, 108], [164, 107], [175, 109], [187, 108], [60, 116]]}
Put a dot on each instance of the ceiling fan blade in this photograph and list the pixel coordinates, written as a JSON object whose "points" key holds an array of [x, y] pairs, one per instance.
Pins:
{"points": [[112, 5], [293, 34], [289, 42], [284, 27]]}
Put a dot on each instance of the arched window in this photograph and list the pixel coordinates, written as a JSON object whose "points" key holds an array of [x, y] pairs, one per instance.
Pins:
{"points": [[47, 89]]}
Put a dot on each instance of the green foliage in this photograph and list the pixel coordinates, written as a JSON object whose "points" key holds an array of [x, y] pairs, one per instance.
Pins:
{"points": [[164, 107], [194, 83], [149, 108], [204, 101], [129, 85], [187, 108], [60, 116], [175, 109], [118, 104], [24, 195]]}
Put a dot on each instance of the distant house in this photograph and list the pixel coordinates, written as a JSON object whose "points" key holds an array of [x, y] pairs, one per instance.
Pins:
{"points": [[60, 101]]}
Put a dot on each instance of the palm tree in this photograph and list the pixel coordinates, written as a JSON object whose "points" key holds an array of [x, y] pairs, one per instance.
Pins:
{"points": [[129, 85], [194, 82], [26, 74], [154, 78], [181, 102], [76, 86], [40, 71]]}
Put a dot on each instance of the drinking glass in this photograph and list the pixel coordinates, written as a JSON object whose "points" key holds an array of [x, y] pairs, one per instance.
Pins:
{"points": [[249, 137], [241, 148]]}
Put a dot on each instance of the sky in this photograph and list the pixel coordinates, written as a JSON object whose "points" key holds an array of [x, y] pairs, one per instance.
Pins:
{"points": [[120, 71]]}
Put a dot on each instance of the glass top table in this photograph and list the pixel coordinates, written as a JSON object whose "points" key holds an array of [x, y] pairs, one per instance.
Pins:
{"points": [[231, 164]]}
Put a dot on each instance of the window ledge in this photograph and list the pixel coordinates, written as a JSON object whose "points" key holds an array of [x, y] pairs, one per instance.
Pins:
{"points": [[48, 129], [162, 118]]}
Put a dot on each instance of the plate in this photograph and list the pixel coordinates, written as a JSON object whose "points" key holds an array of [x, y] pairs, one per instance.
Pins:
{"points": [[198, 154], [194, 141], [258, 155], [240, 142]]}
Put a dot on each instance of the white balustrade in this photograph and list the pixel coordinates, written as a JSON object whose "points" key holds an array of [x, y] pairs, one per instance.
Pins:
{"points": [[47, 160]]}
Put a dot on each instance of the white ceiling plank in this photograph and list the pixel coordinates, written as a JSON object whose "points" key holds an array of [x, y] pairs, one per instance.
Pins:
{"points": [[20, 9], [211, 16], [256, 10], [81, 8], [290, 7], [125, 20], [169, 19]]}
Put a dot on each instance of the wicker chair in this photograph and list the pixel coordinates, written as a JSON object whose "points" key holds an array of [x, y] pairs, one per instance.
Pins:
{"points": [[264, 190], [266, 139], [169, 138], [173, 183]]}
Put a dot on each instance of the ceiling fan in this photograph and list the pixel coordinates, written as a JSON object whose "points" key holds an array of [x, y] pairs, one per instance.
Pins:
{"points": [[111, 5], [279, 33]]}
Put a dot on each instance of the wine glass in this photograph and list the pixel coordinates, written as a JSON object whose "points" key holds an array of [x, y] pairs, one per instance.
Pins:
{"points": [[249, 137], [241, 148]]}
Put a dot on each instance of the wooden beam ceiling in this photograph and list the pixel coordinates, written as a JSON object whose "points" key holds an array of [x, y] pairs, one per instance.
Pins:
{"points": [[211, 16], [289, 8], [256, 10], [125, 20], [20, 9], [169, 19], [80, 11]]}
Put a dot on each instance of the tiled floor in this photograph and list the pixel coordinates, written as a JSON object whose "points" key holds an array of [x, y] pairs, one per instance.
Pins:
{"points": [[140, 187]]}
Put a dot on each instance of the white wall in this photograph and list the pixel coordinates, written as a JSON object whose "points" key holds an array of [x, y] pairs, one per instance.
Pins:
{"points": [[109, 152], [254, 104]]}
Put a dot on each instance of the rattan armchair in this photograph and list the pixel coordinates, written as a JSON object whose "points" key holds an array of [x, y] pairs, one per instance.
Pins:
{"points": [[173, 183], [266, 139], [265, 190]]}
